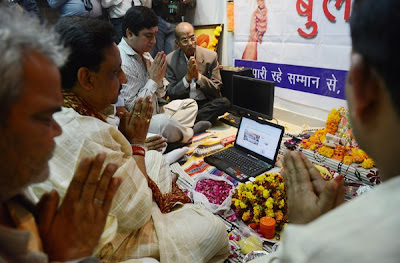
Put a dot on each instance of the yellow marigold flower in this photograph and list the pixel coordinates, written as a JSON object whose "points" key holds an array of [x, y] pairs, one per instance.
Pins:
{"points": [[242, 187], [270, 200], [322, 138], [348, 160], [265, 194], [237, 203], [243, 205], [261, 188], [333, 121], [250, 196], [279, 215], [269, 205], [281, 203], [313, 147], [249, 186], [326, 151], [368, 163], [262, 178], [246, 216], [256, 220], [270, 213], [281, 186]]}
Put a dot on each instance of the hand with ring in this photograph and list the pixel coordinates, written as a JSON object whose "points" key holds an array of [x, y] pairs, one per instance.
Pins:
{"points": [[73, 230], [135, 124]]}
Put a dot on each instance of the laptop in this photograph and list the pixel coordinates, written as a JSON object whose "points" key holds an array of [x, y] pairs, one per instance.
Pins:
{"points": [[254, 152]]}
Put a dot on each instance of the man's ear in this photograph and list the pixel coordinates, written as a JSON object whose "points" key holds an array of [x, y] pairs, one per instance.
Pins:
{"points": [[85, 78], [366, 90], [129, 33]]}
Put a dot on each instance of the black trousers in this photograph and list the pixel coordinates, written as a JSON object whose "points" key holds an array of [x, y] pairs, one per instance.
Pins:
{"points": [[210, 110]]}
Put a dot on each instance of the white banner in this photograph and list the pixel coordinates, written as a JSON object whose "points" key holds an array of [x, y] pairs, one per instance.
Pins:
{"points": [[309, 33]]}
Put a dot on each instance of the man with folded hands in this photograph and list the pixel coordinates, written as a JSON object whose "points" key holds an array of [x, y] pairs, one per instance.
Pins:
{"points": [[366, 229], [30, 93], [193, 72], [150, 215]]}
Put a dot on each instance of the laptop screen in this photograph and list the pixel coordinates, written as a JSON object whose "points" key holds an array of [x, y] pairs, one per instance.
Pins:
{"points": [[260, 138]]}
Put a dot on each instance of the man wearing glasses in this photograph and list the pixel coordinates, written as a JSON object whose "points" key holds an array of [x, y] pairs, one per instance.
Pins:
{"points": [[193, 72]]}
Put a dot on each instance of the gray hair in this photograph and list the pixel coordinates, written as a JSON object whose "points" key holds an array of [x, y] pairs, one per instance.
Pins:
{"points": [[19, 34]]}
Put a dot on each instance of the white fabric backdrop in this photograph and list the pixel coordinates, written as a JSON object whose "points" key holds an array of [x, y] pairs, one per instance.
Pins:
{"points": [[330, 48]]}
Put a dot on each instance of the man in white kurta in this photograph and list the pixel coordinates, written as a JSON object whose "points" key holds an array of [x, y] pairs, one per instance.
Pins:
{"points": [[146, 77], [367, 228], [364, 230], [136, 227]]}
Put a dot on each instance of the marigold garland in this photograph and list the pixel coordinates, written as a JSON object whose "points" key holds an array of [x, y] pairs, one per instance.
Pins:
{"points": [[214, 40], [346, 150], [230, 16], [263, 197]]}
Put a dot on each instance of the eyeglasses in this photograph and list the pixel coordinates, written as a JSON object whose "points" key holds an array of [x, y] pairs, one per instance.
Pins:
{"points": [[185, 41]]}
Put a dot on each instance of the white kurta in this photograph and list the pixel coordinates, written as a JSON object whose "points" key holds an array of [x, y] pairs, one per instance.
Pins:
{"points": [[366, 229], [136, 227]]}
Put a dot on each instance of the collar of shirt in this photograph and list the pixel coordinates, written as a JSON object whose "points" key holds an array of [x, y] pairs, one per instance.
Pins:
{"points": [[124, 46]]}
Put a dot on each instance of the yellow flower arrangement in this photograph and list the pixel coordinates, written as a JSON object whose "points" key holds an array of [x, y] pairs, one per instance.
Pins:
{"points": [[347, 150], [263, 197], [333, 121], [214, 39], [348, 160], [368, 163]]}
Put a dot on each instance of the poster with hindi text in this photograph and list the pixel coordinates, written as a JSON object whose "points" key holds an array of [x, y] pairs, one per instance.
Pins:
{"points": [[301, 45]]}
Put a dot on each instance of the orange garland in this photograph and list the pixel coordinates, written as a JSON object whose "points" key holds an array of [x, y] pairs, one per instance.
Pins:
{"points": [[230, 15], [346, 153]]}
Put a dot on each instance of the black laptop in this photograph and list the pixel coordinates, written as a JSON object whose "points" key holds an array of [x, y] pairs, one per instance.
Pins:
{"points": [[254, 152]]}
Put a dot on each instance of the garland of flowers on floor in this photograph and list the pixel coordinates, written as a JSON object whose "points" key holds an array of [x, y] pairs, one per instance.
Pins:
{"points": [[337, 142], [263, 197]]}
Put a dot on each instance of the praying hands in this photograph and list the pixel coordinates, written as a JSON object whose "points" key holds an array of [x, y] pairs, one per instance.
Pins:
{"points": [[193, 70], [135, 124], [309, 195], [73, 230]]}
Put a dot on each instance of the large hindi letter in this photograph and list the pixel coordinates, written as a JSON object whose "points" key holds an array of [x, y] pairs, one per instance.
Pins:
{"points": [[305, 9]]}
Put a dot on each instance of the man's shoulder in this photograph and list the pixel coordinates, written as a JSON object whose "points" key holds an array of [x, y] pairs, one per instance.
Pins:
{"points": [[173, 56], [207, 52], [125, 49], [69, 117]]}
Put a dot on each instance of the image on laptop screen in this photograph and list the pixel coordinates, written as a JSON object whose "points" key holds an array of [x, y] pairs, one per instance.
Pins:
{"points": [[259, 138]]}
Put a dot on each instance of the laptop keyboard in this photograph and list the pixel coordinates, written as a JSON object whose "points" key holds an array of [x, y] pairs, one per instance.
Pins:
{"points": [[245, 164]]}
